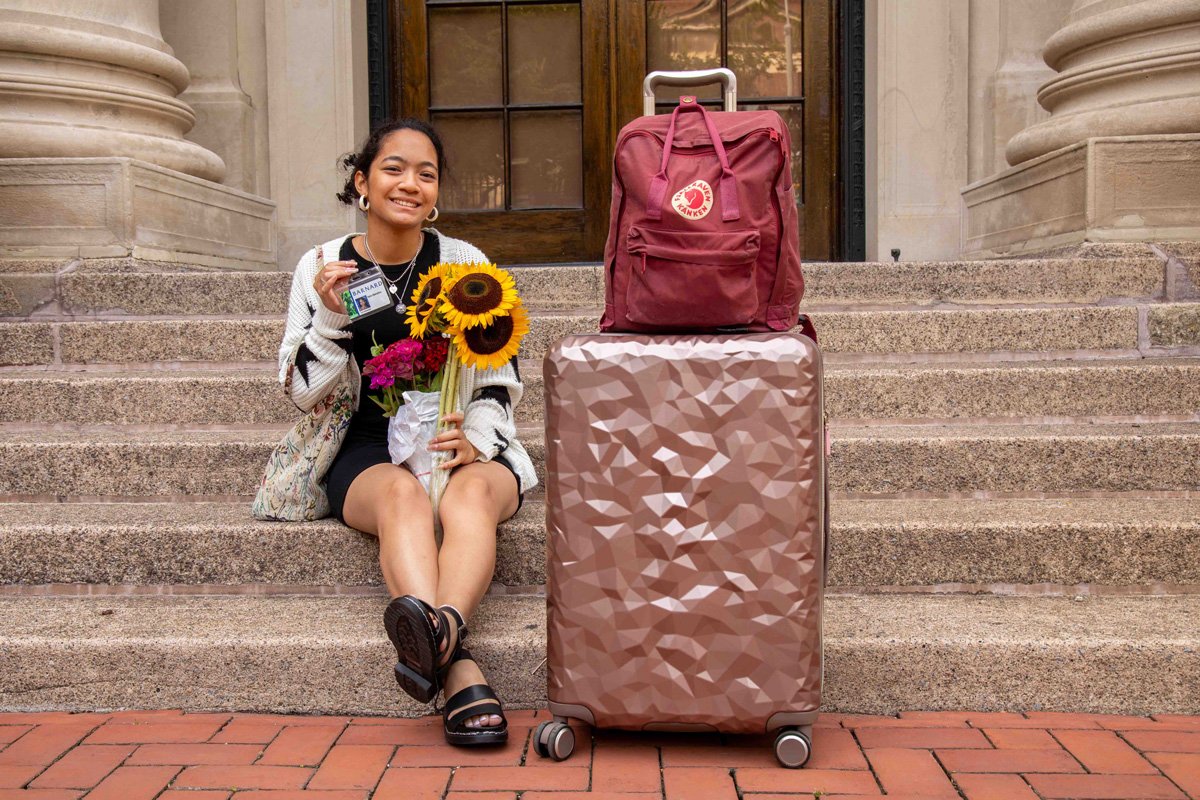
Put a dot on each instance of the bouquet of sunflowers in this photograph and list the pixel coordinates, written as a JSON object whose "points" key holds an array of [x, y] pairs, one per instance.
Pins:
{"points": [[475, 307]]}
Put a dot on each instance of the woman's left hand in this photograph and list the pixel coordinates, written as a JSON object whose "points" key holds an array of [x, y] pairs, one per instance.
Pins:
{"points": [[454, 439]]}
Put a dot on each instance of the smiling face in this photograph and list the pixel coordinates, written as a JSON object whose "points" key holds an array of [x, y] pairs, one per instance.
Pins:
{"points": [[402, 186]]}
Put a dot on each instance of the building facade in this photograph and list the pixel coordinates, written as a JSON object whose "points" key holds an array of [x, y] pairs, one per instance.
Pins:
{"points": [[944, 129]]}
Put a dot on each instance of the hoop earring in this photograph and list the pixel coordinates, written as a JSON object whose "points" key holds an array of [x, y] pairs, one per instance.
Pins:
{"points": [[363, 202], [434, 217]]}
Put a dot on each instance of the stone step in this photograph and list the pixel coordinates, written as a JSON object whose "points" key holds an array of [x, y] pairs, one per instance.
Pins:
{"points": [[946, 391], [997, 332], [874, 544], [883, 654], [108, 286], [937, 459]]}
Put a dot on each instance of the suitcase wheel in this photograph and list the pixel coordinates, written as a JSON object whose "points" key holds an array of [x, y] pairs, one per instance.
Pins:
{"points": [[792, 748], [554, 740]]}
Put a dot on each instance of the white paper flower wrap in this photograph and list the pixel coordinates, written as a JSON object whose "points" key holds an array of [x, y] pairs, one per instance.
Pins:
{"points": [[410, 430]]}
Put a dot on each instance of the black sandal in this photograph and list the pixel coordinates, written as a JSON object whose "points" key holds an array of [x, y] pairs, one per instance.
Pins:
{"points": [[418, 644], [454, 715]]}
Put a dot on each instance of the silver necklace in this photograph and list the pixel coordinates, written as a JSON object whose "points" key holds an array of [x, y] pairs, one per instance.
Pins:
{"points": [[404, 277]]}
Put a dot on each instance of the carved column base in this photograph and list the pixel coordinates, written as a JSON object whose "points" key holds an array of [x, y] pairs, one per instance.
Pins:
{"points": [[1109, 189]]}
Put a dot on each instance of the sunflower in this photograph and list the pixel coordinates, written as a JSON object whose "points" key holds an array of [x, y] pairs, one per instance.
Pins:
{"points": [[493, 346], [477, 295], [425, 297]]}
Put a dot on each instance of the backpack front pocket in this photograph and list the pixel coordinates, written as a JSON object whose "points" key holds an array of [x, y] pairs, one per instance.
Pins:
{"points": [[692, 279]]}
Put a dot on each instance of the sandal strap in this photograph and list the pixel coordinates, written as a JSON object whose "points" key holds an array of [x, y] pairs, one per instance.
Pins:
{"points": [[455, 712], [458, 619]]}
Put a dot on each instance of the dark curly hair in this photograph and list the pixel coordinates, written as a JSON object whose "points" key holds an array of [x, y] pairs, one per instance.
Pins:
{"points": [[361, 161]]}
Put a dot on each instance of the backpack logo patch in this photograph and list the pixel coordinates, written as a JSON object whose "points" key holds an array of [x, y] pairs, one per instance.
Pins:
{"points": [[693, 201]]}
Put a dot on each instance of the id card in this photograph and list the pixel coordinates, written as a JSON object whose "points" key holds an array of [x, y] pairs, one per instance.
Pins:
{"points": [[366, 294]]}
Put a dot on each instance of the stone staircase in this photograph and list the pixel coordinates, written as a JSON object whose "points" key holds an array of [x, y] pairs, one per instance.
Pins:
{"points": [[1016, 524]]}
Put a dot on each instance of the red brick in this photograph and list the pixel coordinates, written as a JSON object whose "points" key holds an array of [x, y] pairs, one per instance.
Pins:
{"points": [[1022, 739], [397, 734], [665, 739], [204, 794], [1182, 768], [588, 796], [1005, 719], [830, 781], [413, 784], [1008, 761], [83, 767], [1146, 741], [16, 776], [151, 715], [10, 733], [1105, 787], [443, 755], [243, 731], [1144, 724], [414, 722], [44, 744], [289, 719], [154, 733], [1104, 752], [699, 783], [480, 779], [843, 719], [728, 757], [1179, 719], [934, 716], [625, 769], [133, 783], [302, 746], [352, 766], [298, 794], [832, 748], [928, 721], [912, 772], [920, 738], [237, 777], [1062, 721], [994, 787], [497, 796], [188, 755], [52, 718], [40, 794]]}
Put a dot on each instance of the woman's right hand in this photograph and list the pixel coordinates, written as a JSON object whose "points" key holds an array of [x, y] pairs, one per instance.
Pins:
{"points": [[331, 281]]}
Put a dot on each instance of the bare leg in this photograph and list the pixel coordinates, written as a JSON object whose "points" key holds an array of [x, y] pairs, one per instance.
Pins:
{"points": [[478, 497], [388, 502]]}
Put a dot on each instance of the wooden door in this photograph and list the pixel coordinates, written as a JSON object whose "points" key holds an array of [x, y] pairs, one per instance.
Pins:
{"points": [[518, 91], [529, 96]]}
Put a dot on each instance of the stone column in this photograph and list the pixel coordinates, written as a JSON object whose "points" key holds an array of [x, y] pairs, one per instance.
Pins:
{"points": [[1125, 68], [94, 79], [1118, 159], [204, 36]]}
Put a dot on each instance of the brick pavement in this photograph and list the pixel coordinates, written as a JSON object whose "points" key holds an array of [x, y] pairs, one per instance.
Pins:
{"points": [[169, 755]]}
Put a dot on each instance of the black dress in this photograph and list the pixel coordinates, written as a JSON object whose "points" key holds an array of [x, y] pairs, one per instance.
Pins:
{"points": [[365, 444]]}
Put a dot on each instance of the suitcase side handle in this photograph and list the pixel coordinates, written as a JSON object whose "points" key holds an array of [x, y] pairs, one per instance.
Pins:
{"points": [[691, 77]]}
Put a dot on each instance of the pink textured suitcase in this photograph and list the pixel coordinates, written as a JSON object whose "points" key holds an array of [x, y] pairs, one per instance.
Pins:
{"points": [[686, 534]]}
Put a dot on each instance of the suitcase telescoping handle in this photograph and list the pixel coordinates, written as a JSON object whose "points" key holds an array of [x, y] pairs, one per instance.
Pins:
{"points": [[691, 77]]}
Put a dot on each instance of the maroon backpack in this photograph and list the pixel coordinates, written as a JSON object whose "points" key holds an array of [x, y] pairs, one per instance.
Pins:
{"points": [[704, 233]]}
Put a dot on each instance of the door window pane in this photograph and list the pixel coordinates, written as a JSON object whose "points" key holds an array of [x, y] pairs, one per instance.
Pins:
{"points": [[684, 34], [764, 50], [547, 159], [464, 57], [475, 162], [544, 63], [793, 117]]}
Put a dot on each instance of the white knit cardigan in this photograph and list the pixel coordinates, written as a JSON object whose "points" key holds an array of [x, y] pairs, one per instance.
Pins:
{"points": [[319, 341]]}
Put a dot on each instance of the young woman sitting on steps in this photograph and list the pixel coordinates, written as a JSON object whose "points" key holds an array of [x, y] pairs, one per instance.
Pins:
{"points": [[394, 179]]}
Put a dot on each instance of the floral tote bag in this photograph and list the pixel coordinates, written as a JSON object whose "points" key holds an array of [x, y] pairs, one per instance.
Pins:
{"points": [[293, 485]]}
